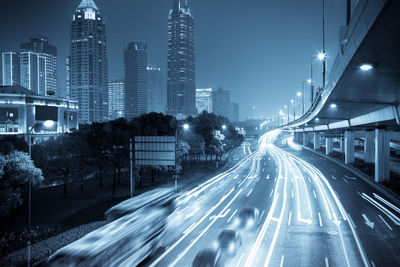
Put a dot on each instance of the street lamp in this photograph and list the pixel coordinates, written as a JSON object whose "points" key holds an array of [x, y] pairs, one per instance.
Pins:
{"points": [[185, 127], [46, 124], [294, 108], [224, 127]]}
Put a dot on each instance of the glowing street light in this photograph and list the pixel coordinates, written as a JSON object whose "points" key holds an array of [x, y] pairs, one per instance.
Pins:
{"points": [[321, 56], [186, 126], [333, 105], [366, 67], [224, 127], [309, 81], [298, 94]]}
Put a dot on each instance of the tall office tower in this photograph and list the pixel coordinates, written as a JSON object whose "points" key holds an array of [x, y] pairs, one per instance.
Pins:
{"points": [[40, 45], [233, 112], [155, 94], [33, 72], [181, 61], [67, 92], [204, 100], [88, 63], [220, 102], [116, 99], [135, 59], [10, 68]]}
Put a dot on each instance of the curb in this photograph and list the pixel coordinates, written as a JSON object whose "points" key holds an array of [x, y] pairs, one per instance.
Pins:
{"points": [[382, 189]]}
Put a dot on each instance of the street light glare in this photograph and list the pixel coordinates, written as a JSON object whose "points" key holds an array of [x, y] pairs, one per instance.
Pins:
{"points": [[333, 105], [186, 126], [366, 67], [48, 123], [291, 100], [321, 56], [298, 94], [309, 80], [224, 126]]}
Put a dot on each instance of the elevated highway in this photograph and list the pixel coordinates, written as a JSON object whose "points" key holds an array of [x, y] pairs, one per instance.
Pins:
{"points": [[362, 91]]}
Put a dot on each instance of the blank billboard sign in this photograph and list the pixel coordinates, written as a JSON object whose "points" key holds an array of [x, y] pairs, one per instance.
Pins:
{"points": [[155, 150]]}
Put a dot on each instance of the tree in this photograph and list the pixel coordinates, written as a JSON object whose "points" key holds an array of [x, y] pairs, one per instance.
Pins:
{"points": [[182, 149], [16, 169]]}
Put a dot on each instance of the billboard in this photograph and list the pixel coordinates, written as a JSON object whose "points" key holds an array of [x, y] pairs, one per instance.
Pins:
{"points": [[155, 150]]}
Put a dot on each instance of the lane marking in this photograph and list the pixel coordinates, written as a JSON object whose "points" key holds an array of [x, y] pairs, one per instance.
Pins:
{"points": [[292, 193], [249, 193], [345, 180], [387, 202], [351, 220], [326, 262], [387, 212], [236, 176], [282, 260], [240, 259], [385, 222], [233, 214], [267, 177], [290, 217], [262, 214], [320, 220], [272, 191], [367, 221], [315, 195], [333, 177]]}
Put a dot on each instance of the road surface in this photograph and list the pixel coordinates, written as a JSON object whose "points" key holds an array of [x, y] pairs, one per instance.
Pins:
{"points": [[312, 212]]}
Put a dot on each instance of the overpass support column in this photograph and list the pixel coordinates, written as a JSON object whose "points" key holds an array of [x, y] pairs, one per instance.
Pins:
{"points": [[349, 147], [369, 147], [328, 145], [305, 139], [382, 155], [317, 141], [296, 137], [341, 144]]}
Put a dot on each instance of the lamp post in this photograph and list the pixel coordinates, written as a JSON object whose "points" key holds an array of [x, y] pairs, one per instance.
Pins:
{"points": [[293, 101], [46, 124], [185, 127]]}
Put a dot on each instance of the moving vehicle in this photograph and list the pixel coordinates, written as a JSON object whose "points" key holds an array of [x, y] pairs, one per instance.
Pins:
{"points": [[207, 258]]}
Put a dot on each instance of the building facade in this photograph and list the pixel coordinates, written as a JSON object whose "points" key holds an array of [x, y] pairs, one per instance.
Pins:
{"points": [[10, 68], [233, 112], [88, 63], [41, 46], [220, 102], [33, 72], [135, 60], [21, 108], [181, 85], [204, 100], [156, 97], [116, 99]]}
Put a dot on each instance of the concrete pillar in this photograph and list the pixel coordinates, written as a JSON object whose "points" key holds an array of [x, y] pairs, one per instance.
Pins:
{"points": [[341, 144], [305, 139], [382, 155], [369, 147], [328, 145], [296, 137], [348, 147], [317, 142]]}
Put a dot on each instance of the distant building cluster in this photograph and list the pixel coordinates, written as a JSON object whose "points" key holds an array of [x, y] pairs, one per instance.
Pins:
{"points": [[140, 90], [218, 102], [34, 67]]}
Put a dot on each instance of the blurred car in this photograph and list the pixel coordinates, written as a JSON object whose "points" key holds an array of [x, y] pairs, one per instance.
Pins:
{"points": [[159, 197], [248, 218], [126, 241], [207, 258], [229, 242]]}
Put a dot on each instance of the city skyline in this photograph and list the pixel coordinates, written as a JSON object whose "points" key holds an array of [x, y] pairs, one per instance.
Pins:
{"points": [[265, 71]]}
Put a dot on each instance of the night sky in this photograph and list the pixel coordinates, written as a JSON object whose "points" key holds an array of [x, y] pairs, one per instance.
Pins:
{"points": [[260, 50]]}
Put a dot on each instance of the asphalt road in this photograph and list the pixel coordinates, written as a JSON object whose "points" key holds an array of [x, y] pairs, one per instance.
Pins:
{"points": [[312, 212]]}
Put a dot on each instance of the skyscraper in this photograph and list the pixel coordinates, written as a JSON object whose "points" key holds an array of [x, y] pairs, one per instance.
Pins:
{"points": [[155, 94], [204, 100], [135, 59], [116, 99], [220, 102], [33, 72], [88, 63], [40, 45], [10, 68], [181, 61]]}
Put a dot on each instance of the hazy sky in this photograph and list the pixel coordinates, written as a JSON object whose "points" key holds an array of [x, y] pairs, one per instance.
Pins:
{"points": [[260, 50]]}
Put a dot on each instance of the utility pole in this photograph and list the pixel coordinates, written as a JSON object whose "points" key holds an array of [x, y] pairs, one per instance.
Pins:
{"points": [[131, 167], [323, 45]]}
